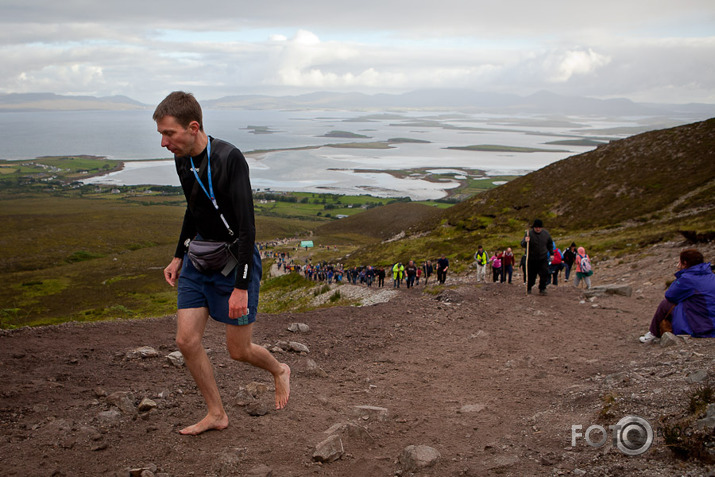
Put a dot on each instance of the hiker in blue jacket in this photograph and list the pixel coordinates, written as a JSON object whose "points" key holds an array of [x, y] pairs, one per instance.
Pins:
{"points": [[689, 304]]}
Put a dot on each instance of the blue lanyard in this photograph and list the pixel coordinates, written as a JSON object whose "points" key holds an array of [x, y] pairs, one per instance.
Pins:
{"points": [[198, 179], [210, 192]]}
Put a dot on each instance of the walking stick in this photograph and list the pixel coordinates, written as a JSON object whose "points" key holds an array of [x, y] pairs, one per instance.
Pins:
{"points": [[526, 265]]}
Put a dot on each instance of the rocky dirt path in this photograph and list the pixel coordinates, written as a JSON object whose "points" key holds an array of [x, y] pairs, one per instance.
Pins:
{"points": [[490, 379]]}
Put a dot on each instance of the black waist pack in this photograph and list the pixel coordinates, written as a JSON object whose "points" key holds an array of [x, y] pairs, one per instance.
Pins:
{"points": [[209, 256]]}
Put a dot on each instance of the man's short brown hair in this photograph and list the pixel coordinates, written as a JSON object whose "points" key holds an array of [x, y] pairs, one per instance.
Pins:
{"points": [[183, 106]]}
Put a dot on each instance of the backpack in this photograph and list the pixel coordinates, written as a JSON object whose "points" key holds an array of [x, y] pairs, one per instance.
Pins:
{"points": [[586, 265], [556, 260]]}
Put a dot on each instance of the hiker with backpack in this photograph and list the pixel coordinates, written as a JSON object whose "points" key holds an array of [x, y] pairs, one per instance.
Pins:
{"points": [[555, 266], [569, 257], [584, 270]]}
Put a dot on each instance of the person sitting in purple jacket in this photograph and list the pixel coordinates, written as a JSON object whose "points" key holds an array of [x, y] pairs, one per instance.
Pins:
{"points": [[689, 304]]}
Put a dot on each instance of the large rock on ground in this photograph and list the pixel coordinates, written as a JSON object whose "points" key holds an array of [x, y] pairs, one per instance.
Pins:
{"points": [[331, 449], [415, 458], [623, 290]]}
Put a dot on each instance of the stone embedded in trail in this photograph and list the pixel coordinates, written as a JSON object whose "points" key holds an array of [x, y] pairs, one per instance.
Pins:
{"points": [[467, 408], [142, 352], [371, 412], [144, 471], [669, 339], [330, 450], [258, 408], [175, 358], [123, 401], [623, 290], [698, 376], [707, 423], [243, 397], [256, 389], [298, 328], [109, 416], [298, 347], [292, 346], [349, 429], [415, 458], [146, 405], [311, 368]]}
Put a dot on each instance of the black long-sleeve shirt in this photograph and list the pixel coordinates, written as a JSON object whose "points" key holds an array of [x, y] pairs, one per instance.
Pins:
{"points": [[232, 188]]}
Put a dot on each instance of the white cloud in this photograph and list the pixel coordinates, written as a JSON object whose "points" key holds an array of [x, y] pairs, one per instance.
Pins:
{"points": [[576, 62], [637, 49]]}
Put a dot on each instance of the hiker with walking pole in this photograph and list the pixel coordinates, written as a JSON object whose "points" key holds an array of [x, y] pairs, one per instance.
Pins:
{"points": [[539, 245], [526, 264]]}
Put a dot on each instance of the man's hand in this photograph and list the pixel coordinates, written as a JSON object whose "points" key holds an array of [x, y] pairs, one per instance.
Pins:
{"points": [[238, 303], [172, 271]]}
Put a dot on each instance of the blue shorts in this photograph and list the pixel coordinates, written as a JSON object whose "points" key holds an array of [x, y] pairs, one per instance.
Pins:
{"points": [[212, 291]]}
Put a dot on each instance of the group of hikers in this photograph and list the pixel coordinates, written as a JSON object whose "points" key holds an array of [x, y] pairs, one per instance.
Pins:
{"points": [[409, 274], [541, 259], [573, 259]]}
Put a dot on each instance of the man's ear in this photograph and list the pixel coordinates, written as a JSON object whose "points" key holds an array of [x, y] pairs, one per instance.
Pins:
{"points": [[194, 127]]}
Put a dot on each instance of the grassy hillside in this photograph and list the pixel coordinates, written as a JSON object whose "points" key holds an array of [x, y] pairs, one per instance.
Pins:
{"points": [[86, 259], [649, 176], [381, 223]]}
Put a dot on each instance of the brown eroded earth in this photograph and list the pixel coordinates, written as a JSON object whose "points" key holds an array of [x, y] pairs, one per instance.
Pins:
{"points": [[491, 378]]}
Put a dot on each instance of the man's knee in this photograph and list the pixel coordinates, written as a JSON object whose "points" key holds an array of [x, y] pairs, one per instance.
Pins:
{"points": [[240, 353], [188, 344]]}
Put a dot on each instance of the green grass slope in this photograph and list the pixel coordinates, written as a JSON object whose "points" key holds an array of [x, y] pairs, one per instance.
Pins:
{"points": [[382, 223]]}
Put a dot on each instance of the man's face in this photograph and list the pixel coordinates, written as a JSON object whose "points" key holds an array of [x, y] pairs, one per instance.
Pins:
{"points": [[176, 138], [537, 230]]}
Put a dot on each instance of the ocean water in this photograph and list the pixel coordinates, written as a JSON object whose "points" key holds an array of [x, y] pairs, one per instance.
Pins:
{"points": [[131, 136]]}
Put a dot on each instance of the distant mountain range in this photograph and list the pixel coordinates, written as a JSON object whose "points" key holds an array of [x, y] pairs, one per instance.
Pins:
{"points": [[56, 102], [427, 99]]}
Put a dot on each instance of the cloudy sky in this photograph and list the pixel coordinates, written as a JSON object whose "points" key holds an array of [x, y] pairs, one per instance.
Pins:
{"points": [[644, 50]]}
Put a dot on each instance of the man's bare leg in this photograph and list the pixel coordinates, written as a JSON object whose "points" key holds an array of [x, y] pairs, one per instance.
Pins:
{"points": [[241, 348], [191, 324]]}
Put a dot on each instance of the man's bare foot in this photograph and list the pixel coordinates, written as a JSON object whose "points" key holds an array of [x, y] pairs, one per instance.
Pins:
{"points": [[208, 423], [282, 387]]}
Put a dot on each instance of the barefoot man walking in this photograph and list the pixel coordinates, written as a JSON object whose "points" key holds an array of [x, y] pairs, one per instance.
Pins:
{"points": [[214, 177]]}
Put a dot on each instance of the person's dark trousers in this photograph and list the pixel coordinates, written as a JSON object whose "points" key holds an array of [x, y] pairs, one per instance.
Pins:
{"points": [[538, 268], [662, 313], [410, 281], [507, 270], [440, 276]]}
